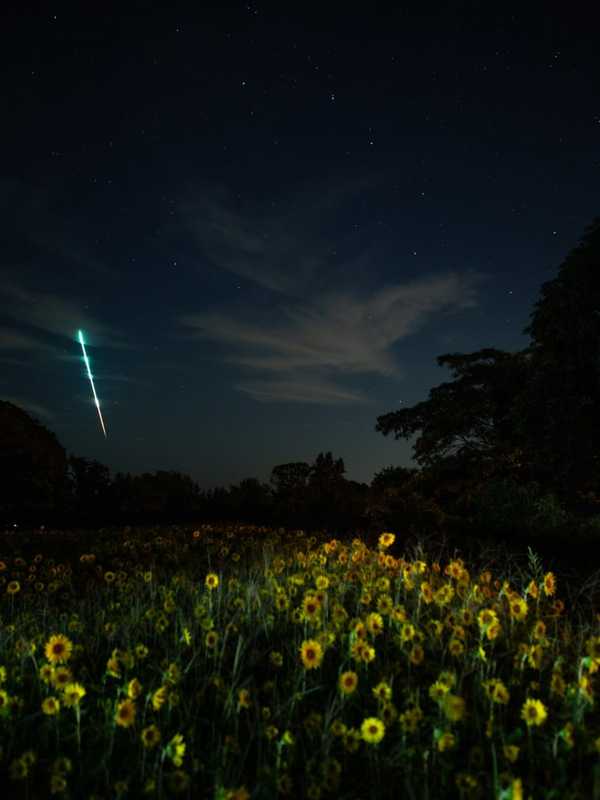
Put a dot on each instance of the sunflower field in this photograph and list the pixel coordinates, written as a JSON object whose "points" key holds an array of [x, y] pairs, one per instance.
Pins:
{"points": [[237, 662]]}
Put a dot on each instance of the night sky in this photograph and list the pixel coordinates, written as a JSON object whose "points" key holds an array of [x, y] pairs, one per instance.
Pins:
{"points": [[269, 219]]}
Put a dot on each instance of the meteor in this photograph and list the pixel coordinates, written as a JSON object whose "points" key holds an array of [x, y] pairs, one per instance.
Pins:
{"points": [[89, 372]]}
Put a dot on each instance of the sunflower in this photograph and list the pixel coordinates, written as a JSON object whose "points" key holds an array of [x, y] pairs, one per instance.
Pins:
{"points": [[348, 682], [134, 689], [13, 587], [386, 540], [311, 607], [125, 713], [539, 629], [72, 694], [367, 654], [533, 712], [532, 589], [61, 676], [416, 654], [511, 752], [500, 693], [58, 649], [407, 632], [454, 707], [455, 647], [281, 601], [494, 630], [211, 639], [443, 595], [385, 604], [426, 592], [159, 697], [446, 741], [372, 730], [374, 623], [46, 673], [141, 651], [518, 608], [438, 690], [383, 691], [51, 706], [150, 736], [311, 653], [486, 617], [211, 581], [549, 584], [176, 749]]}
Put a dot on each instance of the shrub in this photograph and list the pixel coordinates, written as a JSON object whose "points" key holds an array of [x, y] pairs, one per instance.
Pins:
{"points": [[503, 507]]}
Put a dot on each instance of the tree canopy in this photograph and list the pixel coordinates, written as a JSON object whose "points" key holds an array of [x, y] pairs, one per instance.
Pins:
{"points": [[533, 414], [33, 463]]}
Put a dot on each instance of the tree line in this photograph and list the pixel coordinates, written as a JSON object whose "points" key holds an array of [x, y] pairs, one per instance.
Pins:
{"points": [[512, 442]]}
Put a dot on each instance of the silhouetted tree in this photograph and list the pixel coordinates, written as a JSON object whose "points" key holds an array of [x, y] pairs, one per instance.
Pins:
{"points": [[290, 483], [251, 501], [90, 484], [531, 416], [392, 477], [558, 409], [33, 466], [326, 488], [466, 425], [168, 495]]}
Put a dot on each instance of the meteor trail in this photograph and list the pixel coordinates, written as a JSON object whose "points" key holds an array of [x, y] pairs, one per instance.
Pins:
{"points": [[89, 372]]}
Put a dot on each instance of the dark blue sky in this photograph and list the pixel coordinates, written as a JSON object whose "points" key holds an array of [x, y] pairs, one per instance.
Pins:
{"points": [[269, 220]]}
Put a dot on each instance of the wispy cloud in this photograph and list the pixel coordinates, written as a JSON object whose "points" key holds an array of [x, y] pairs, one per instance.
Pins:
{"points": [[317, 334], [52, 314], [318, 392], [281, 245], [12, 339]]}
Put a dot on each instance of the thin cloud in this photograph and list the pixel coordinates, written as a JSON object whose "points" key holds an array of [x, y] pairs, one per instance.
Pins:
{"points": [[316, 333], [297, 391], [345, 334], [54, 314], [281, 246], [11, 339]]}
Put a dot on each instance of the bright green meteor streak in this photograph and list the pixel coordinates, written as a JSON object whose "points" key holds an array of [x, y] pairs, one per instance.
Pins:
{"points": [[89, 372]]}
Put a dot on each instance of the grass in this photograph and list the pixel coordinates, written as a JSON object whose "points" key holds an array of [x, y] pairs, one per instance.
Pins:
{"points": [[239, 661]]}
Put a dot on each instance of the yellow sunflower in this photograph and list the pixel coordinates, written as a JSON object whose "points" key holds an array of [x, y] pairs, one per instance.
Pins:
{"points": [[212, 581], [150, 736], [311, 653], [125, 713], [58, 649], [518, 608], [348, 682], [549, 584], [51, 706], [72, 694], [372, 730], [386, 540], [533, 712]]}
